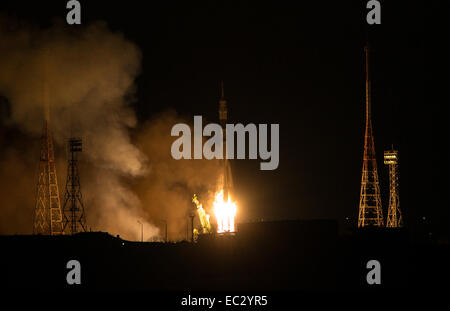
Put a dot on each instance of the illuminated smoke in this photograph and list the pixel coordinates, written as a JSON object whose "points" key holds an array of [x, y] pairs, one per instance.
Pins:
{"points": [[90, 75], [166, 191]]}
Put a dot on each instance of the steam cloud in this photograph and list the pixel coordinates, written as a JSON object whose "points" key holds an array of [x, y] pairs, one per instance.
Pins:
{"points": [[170, 185], [90, 77]]}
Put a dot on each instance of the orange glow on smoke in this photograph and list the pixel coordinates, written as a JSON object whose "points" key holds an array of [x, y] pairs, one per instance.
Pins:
{"points": [[225, 211]]}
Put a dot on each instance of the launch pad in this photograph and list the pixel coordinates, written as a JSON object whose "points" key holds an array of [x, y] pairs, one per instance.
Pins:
{"points": [[277, 255]]}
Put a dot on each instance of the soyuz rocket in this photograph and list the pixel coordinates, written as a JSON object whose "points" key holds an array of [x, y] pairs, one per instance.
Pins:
{"points": [[227, 180]]}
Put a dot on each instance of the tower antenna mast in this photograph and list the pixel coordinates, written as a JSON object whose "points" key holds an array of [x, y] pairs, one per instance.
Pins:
{"points": [[370, 211], [394, 217], [47, 218], [73, 208]]}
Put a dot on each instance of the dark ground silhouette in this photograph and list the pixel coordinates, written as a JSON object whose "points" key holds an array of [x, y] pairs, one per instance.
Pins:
{"points": [[278, 255]]}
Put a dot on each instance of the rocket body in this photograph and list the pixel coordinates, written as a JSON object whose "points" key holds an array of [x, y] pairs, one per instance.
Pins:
{"points": [[223, 116]]}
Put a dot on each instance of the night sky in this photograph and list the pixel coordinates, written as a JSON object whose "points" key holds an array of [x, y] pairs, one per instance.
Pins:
{"points": [[299, 64]]}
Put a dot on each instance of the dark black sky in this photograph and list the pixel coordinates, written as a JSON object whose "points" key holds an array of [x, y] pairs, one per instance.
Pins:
{"points": [[299, 64]]}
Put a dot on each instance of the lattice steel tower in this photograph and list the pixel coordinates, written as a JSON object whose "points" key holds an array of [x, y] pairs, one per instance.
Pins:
{"points": [[73, 208], [394, 218], [47, 211], [370, 211]]}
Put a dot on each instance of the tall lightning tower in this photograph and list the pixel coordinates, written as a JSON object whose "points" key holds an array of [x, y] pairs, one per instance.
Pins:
{"points": [[47, 218], [223, 115], [73, 208], [394, 218], [370, 211]]}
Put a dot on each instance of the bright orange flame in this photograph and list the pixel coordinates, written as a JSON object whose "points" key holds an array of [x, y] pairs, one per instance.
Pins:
{"points": [[225, 213]]}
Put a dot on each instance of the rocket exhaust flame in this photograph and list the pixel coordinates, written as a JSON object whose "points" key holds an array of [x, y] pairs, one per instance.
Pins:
{"points": [[225, 212]]}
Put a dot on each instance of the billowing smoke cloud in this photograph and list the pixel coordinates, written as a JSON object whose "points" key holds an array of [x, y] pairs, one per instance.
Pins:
{"points": [[168, 189], [89, 74]]}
